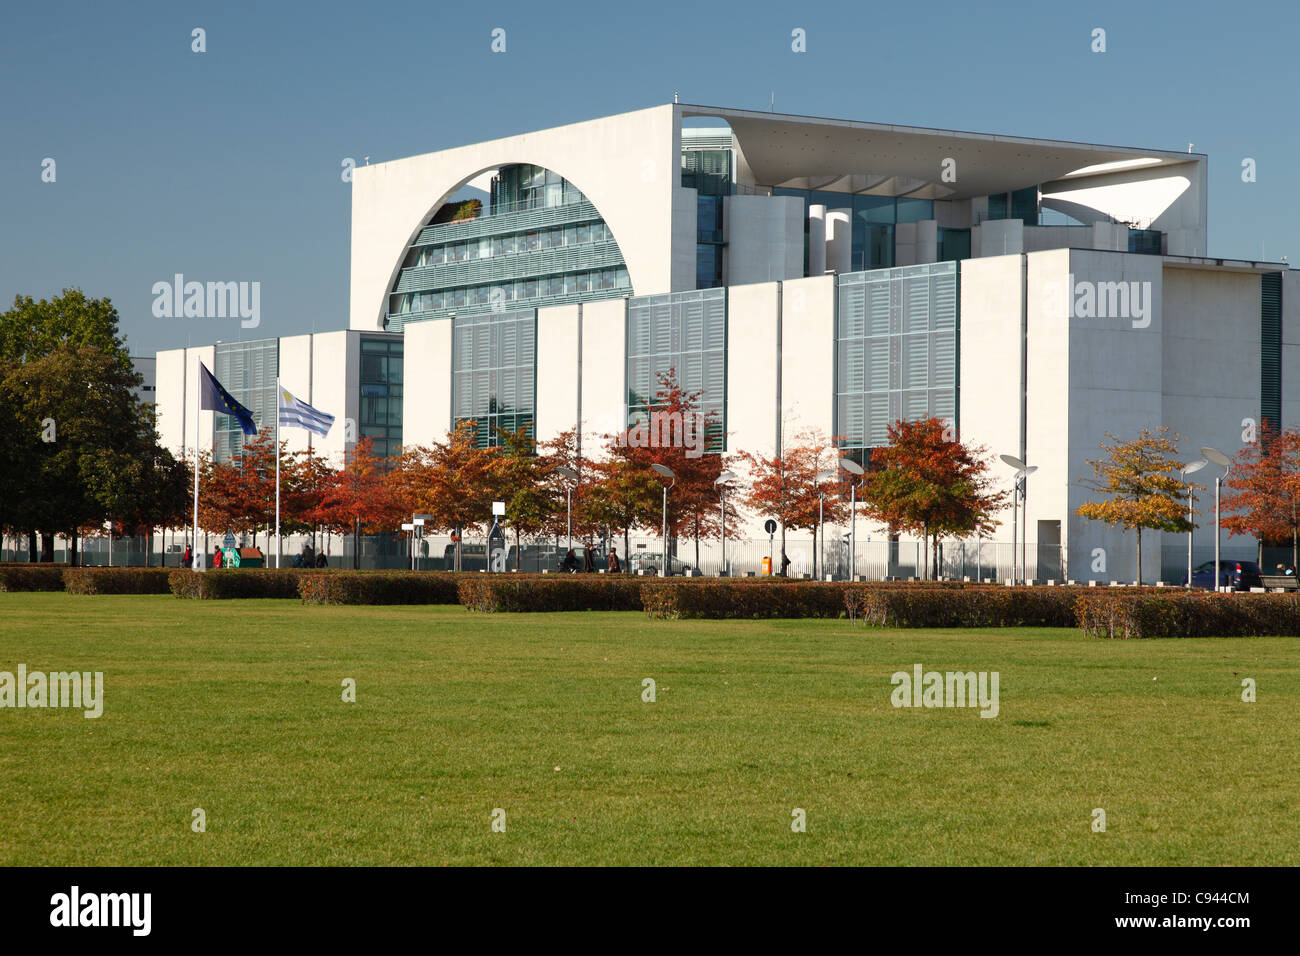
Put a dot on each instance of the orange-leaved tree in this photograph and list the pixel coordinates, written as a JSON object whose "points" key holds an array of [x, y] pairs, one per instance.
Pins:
{"points": [[1264, 489], [797, 487], [927, 482], [454, 481], [1137, 486], [358, 497]]}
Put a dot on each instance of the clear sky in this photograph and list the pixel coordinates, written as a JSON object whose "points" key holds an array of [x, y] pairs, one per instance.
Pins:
{"points": [[225, 165]]}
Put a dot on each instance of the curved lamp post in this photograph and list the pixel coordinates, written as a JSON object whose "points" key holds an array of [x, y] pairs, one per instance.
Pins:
{"points": [[1018, 494], [721, 482], [1217, 457], [564, 471], [1191, 512], [665, 472], [853, 468]]}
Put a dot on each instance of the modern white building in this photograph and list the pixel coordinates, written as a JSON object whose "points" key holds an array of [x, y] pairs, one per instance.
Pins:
{"points": [[798, 273]]}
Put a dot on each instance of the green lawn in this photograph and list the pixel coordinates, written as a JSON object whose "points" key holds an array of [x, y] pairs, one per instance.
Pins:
{"points": [[235, 707]]}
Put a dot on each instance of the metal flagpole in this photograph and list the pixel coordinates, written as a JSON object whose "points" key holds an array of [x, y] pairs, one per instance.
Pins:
{"points": [[277, 472], [194, 545]]}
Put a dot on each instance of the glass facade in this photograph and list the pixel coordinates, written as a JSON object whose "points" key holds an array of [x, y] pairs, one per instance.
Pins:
{"points": [[540, 243], [494, 373], [685, 332], [896, 339], [381, 395], [874, 221], [709, 172], [248, 371], [1021, 204]]}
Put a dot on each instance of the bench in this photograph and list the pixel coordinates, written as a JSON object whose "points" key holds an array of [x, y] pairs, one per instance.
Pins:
{"points": [[1280, 582]]}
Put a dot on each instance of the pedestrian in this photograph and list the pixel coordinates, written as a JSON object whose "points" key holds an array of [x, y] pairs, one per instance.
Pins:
{"points": [[588, 559], [188, 560], [216, 558], [615, 566], [297, 560], [322, 561], [570, 562]]}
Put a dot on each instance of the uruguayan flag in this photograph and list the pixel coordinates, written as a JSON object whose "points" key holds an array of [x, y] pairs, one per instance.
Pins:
{"points": [[295, 413]]}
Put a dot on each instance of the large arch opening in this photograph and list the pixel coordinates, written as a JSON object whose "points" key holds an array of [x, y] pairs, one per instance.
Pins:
{"points": [[528, 239]]}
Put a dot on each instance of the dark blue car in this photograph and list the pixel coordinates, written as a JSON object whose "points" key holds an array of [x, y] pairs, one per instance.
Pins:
{"points": [[1239, 575]]}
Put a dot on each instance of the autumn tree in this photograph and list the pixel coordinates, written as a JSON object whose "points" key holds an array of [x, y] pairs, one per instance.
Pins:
{"points": [[1137, 486], [621, 494], [359, 497], [926, 482], [797, 487], [524, 481], [1264, 489], [675, 432], [453, 481]]}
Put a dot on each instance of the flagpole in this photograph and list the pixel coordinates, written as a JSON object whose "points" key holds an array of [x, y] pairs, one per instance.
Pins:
{"points": [[277, 472], [194, 544]]}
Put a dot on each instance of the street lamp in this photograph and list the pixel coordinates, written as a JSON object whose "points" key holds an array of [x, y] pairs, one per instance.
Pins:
{"points": [[1019, 493], [665, 472], [853, 468], [1191, 512], [1223, 461], [564, 471], [721, 481], [409, 528], [819, 558]]}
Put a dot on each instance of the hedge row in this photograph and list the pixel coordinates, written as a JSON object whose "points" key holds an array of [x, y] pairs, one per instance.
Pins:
{"points": [[726, 599], [560, 592], [1184, 614], [31, 577], [975, 606], [236, 583], [378, 587], [116, 580]]}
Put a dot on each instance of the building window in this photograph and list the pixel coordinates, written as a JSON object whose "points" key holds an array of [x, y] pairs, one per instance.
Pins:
{"points": [[380, 417], [248, 371], [685, 333], [494, 380], [896, 333]]}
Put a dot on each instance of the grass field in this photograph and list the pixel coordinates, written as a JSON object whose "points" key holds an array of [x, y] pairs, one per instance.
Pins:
{"points": [[236, 707]]}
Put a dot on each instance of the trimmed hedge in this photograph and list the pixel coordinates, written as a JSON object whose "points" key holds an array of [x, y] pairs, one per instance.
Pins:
{"points": [[715, 599], [219, 584], [975, 606], [560, 592], [32, 577], [378, 587], [1183, 614], [116, 580]]}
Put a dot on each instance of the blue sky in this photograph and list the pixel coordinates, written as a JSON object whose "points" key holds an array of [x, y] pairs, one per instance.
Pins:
{"points": [[225, 165]]}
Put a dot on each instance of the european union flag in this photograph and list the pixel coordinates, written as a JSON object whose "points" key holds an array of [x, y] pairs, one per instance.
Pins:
{"points": [[212, 397]]}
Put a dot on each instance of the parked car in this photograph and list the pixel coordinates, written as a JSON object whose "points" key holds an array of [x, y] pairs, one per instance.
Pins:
{"points": [[651, 561], [1239, 575]]}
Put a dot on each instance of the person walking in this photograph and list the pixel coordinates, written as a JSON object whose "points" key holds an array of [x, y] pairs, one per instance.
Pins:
{"points": [[615, 566], [322, 560], [188, 560], [216, 558], [570, 562], [588, 559]]}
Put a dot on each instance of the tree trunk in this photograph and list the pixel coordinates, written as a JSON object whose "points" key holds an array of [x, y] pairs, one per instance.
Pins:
{"points": [[697, 540], [47, 547], [356, 544], [925, 549], [148, 548], [517, 549], [1139, 531], [31, 547], [783, 574], [72, 549], [627, 544]]}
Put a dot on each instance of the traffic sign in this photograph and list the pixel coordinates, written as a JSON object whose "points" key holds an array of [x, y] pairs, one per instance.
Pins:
{"points": [[770, 526]]}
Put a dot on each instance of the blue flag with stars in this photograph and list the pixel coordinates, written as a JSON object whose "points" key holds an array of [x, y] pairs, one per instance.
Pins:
{"points": [[215, 398]]}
